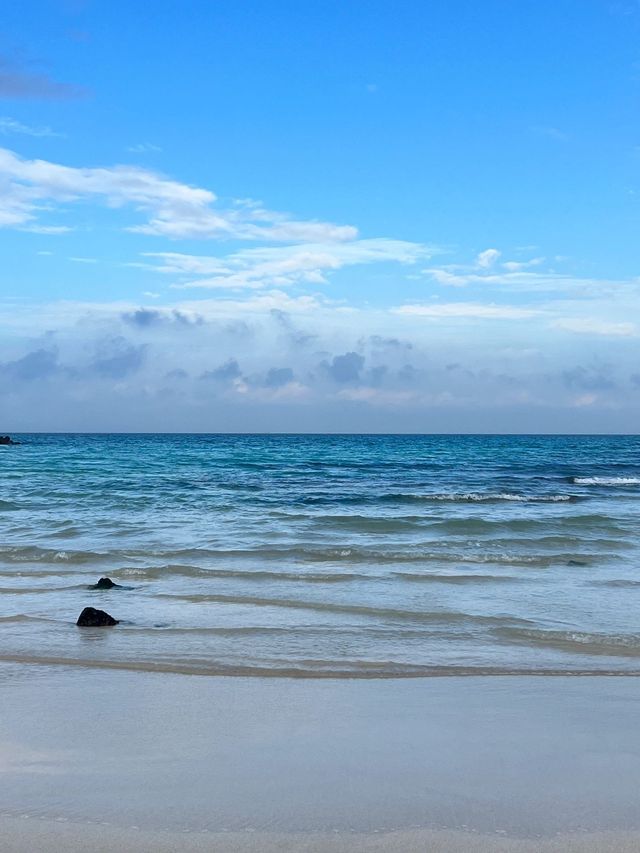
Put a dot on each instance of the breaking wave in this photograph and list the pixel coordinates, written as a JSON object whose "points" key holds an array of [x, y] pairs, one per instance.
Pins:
{"points": [[607, 481]]}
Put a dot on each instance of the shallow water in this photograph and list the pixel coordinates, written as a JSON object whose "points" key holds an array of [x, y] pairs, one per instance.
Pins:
{"points": [[355, 556]]}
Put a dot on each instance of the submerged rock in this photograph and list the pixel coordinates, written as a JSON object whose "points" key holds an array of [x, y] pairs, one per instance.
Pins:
{"points": [[105, 583], [92, 618], [6, 439]]}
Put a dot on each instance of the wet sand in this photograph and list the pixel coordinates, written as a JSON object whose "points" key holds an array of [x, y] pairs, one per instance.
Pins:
{"points": [[109, 760]]}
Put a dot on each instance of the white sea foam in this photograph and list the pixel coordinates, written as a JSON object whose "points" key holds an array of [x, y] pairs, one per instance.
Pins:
{"points": [[501, 496], [607, 481]]}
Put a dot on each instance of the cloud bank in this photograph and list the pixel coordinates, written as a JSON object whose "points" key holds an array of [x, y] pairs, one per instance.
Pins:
{"points": [[282, 324]]}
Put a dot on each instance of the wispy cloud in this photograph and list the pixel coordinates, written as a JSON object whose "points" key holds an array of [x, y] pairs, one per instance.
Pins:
{"points": [[144, 148], [519, 279], [43, 229], [518, 266], [175, 210], [534, 275], [12, 125], [466, 310], [588, 326], [282, 266]]}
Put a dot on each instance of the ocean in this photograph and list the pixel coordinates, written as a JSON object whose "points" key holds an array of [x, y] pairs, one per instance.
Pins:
{"points": [[347, 556]]}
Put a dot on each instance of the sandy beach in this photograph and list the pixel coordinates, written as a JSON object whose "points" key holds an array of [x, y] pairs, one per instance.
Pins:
{"points": [[108, 760]]}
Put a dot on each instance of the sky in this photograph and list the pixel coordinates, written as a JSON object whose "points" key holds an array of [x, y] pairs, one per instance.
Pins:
{"points": [[320, 216]]}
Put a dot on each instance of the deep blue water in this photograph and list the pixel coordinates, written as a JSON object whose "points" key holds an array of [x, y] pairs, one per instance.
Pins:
{"points": [[321, 555]]}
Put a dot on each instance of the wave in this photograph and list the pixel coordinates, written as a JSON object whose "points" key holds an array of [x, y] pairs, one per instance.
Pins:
{"points": [[431, 577], [8, 505], [479, 525], [25, 617], [70, 532], [161, 572], [479, 497], [165, 572], [366, 523], [414, 555], [366, 498], [38, 590], [222, 631], [46, 573], [399, 524], [606, 481], [313, 669], [352, 609], [577, 642], [510, 553], [34, 554]]}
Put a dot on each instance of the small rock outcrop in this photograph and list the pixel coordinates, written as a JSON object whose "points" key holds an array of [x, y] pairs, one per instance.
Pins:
{"points": [[92, 618], [6, 439], [105, 583]]}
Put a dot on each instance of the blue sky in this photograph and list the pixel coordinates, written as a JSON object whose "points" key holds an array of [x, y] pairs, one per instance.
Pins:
{"points": [[324, 215]]}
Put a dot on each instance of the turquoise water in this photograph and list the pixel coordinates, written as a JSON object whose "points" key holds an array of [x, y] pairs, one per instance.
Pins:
{"points": [[351, 556]]}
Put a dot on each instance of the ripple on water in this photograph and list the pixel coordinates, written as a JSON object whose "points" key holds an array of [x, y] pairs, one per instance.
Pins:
{"points": [[357, 556]]}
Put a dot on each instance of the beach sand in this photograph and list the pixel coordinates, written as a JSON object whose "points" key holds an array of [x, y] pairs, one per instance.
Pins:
{"points": [[115, 760]]}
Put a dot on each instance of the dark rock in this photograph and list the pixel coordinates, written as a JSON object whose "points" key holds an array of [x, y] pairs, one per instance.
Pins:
{"points": [[92, 618], [105, 583], [6, 439], [577, 563]]}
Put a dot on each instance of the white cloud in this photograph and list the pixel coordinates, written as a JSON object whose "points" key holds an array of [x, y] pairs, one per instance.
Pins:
{"points": [[12, 125], [282, 266], [516, 266], [451, 277], [487, 258], [257, 304], [144, 148], [466, 310], [174, 210], [588, 326], [46, 229], [488, 269], [530, 276]]}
